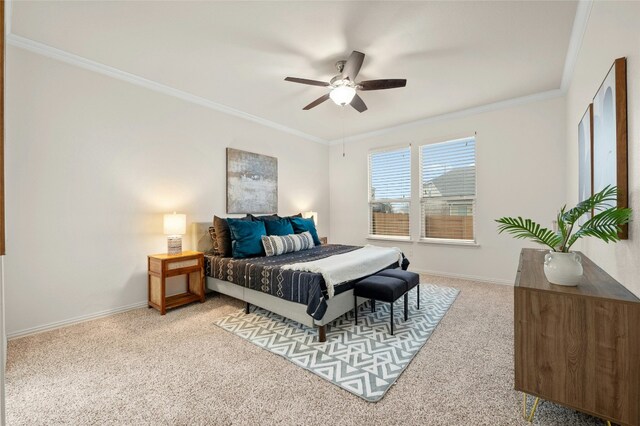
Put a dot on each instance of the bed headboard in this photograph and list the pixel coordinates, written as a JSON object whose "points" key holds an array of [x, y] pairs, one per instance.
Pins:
{"points": [[200, 239]]}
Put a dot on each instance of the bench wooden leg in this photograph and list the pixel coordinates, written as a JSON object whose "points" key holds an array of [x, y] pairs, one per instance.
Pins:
{"points": [[247, 308], [322, 333], [373, 305], [418, 296], [406, 306], [391, 315]]}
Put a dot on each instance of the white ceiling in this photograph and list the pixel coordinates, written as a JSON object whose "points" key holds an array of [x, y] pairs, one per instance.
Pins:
{"points": [[455, 55]]}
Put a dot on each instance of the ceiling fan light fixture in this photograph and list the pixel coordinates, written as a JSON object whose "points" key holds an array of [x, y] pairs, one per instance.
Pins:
{"points": [[343, 87], [342, 95]]}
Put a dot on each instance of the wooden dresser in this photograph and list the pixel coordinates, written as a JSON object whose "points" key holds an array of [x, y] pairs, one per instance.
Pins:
{"points": [[578, 346]]}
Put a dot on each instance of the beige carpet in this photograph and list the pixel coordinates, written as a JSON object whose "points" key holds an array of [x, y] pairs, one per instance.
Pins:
{"points": [[138, 368]]}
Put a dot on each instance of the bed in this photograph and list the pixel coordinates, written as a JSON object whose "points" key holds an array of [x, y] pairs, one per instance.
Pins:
{"points": [[300, 296]]}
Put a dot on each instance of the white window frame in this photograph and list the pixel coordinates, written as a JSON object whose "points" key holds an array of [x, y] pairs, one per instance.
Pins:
{"points": [[370, 236], [449, 241]]}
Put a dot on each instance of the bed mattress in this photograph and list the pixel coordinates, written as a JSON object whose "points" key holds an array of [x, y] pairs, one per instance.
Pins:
{"points": [[265, 274]]}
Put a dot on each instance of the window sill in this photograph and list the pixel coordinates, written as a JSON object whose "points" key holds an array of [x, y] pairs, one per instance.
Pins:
{"points": [[385, 238], [444, 241]]}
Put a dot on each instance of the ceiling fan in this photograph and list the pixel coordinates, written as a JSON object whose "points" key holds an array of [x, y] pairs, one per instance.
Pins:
{"points": [[344, 86]]}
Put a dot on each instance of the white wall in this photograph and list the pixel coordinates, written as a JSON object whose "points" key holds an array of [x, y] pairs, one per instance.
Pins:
{"points": [[520, 160], [93, 163], [613, 31], [89, 175]]}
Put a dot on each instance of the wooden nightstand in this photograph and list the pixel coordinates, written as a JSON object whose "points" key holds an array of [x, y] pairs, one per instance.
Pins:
{"points": [[323, 240], [163, 266]]}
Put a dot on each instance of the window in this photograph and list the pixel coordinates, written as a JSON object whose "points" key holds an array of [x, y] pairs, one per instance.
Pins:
{"points": [[448, 190], [390, 192]]}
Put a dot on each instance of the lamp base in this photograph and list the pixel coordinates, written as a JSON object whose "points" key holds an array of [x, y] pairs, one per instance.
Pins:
{"points": [[174, 245]]}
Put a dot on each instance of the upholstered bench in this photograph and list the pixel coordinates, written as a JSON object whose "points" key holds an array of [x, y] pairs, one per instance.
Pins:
{"points": [[384, 289], [411, 278]]}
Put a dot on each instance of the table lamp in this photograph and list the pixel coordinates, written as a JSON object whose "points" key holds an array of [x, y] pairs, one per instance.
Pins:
{"points": [[313, 215], [175, 226]]}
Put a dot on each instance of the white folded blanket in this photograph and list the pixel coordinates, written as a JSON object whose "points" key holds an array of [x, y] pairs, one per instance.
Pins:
{"points": [[350, 266]]}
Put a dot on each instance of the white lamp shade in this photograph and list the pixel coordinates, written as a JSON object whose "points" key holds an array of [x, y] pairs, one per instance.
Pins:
{"points": [[313, 215], [175, 224], [342, 95]]}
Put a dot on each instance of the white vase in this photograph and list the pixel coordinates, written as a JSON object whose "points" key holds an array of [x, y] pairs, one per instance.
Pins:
{"points": [[563, 268]]}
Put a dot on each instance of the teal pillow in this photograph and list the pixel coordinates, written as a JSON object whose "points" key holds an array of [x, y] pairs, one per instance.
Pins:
{"points": [[263, 218], [246, 238], [278, 227], [301, 225]]}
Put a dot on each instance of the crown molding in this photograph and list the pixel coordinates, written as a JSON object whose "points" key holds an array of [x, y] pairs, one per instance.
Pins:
{"points": [[79, 61], [580, 21], [583, 11], [578, 30], [537, 97]]}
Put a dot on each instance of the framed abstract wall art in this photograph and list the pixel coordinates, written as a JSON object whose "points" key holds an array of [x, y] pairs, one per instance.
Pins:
{"points": [[252, 182], [585, 157], [610, 134]]}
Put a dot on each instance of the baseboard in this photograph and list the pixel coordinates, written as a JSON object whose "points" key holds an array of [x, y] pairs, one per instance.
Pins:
{"points": [[463, 277], [72, 321], [106, 313]]}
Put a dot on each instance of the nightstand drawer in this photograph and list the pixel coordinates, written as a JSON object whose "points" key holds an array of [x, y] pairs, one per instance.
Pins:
{"points": [[182, 264]]}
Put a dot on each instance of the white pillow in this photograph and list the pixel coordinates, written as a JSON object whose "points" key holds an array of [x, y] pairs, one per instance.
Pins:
{"points": [[275, 245]]}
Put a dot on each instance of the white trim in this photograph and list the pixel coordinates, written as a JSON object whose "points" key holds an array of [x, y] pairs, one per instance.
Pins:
{"points": [[397, 147], [580, 22], [583, 11], [500, 281], [402, 147], [79, 61], [390, 239], [450, 137], [542, 96], [447, 140], [76, 320], [449, 242]]}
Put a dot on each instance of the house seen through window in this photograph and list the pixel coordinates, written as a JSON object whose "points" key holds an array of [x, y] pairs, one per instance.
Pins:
{"points": [[448, 189]]}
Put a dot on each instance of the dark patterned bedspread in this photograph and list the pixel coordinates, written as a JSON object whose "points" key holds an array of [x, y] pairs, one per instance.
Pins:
{"points": [[266, 274]]}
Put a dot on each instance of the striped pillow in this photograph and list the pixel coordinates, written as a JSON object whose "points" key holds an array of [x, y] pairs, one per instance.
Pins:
{"points": [[275, 245]]}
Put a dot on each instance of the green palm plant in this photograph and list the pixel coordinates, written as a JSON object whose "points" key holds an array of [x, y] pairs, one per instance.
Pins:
{"points": [[605, 224]]}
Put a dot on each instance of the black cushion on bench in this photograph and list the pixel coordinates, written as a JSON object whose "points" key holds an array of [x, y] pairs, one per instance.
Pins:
{"points": [[411, 278], [377, 287]]}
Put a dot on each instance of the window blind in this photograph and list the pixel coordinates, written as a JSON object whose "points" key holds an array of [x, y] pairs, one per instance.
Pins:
{"points": [[448, 189], [390, 192]]}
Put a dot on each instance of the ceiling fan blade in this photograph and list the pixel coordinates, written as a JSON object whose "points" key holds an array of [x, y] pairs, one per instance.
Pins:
{"points": [[306, 81], [317, 102], [382, 84], [358, 104], [352, 66]]}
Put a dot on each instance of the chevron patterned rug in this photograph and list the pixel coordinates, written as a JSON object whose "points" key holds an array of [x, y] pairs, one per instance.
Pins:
{"points": [[364, 359]]}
